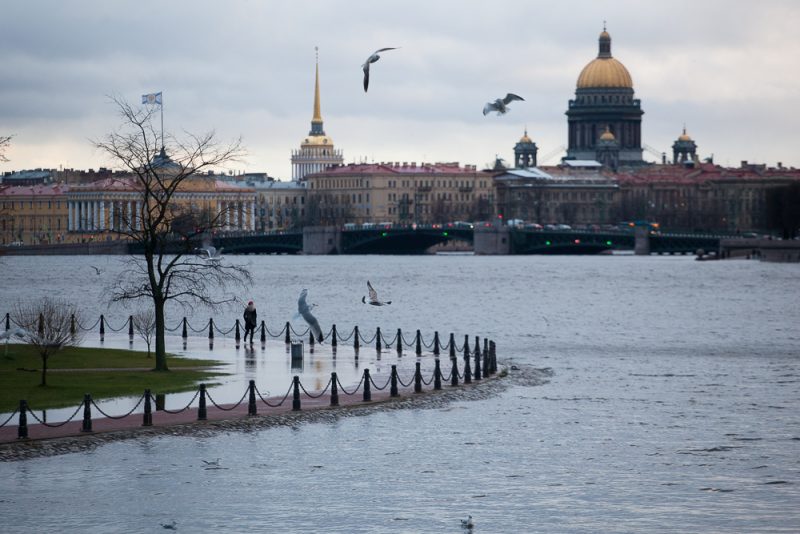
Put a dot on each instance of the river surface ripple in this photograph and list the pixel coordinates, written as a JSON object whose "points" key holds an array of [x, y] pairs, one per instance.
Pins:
{"points": [[672, 405]]}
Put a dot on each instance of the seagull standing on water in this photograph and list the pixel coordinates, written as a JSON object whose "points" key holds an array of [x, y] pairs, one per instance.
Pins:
{"points": [[372, 59], [305, 311], [373, 297], [501, 104], [467, 523]]}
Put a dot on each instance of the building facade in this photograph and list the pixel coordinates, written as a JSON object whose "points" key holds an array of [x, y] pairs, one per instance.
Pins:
{"points": [[34, 215], [399, 193]]}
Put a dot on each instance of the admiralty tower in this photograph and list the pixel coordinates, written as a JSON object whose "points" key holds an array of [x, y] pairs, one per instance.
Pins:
{"points": [[604, 100], [316, 151]]}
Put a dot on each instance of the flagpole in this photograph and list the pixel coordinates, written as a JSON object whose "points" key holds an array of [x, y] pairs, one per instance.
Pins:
{"points": [[162, 121]]}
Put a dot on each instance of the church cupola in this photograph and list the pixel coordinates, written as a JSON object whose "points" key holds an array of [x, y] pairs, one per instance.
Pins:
{"points": [[525, 152], [684, 149]]}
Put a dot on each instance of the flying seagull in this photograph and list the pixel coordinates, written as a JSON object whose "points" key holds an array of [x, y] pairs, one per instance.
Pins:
{"points": [[373, 297], [501, 104], [372, 59], [212, 463], [211, 253], [305, 311], [96, 269]]}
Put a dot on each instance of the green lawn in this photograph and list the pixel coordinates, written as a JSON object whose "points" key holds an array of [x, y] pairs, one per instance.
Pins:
{"points": [[20, 376]]}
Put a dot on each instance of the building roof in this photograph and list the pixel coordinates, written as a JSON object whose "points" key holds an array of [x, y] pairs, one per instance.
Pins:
{"points": [[581, 163], [604, 71], [34, 190], [397, 168], [703, 172]]}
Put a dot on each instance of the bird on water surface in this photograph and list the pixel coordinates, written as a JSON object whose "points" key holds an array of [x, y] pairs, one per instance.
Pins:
{"points": [[372, 59]]}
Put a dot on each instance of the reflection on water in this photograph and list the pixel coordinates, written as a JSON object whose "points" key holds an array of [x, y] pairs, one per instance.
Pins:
{"points": [[671, 406]]}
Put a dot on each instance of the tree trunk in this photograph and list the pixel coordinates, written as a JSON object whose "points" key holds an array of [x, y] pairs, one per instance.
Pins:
{"points": [[161, 352], [44, 370]]}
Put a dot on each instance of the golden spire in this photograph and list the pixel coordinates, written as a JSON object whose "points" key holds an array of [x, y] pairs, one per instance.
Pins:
{"points": [[317, 115]]}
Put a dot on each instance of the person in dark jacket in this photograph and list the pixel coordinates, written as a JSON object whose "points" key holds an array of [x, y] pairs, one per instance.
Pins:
{"points": [[250, 321]]}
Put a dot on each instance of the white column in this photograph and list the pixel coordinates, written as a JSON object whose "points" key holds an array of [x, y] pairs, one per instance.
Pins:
{"points": [[138, 215], [227, 215], [253, 215], [102, 215], [111, 215], [82, 215], [130, 215], [69, 216]]}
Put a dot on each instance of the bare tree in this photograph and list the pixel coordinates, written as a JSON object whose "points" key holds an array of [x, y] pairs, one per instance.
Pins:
{"points": [[168, 269], [47, 326], [144, 322], [5, 141]]}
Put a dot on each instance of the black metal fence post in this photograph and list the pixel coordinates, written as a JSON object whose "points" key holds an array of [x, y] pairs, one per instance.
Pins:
{"points": [[251, 401], [334, 336], [87, 413], [41, 325], [367, 392], [22, 428], [436, 343], [452, 345], [437, 375], [334, 390], [72, 330], [467, 370], [393, 391], [237, 336], [310, 339], [147, 419], [8, 321], [418, 379], [478, 373], [487, 367], [130, 327], [355, 338], [454, 371], [493, 351], [263, 332], [378, 339], [211, 328], [102, 325], [288, 338], [185, 329], [399, 342], [296, 394], [466, 344], [202, 413], [419, 344]]}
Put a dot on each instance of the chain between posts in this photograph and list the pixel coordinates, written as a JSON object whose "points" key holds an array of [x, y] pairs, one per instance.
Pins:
{"points": [[343, 390], [173, 412], [118, 416], [56, 425], [321, 393], [233, 407], [265, 401]]}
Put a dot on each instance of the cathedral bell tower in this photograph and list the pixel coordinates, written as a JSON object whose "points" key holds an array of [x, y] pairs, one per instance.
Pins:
{"points": [[525, 152]]}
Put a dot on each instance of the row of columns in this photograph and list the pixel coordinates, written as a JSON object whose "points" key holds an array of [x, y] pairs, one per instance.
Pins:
{"points": [[100, 215], [90, 215]]}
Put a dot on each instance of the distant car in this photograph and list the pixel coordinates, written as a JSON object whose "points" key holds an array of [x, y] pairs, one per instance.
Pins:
{"points": [[350, 226], [462, 224], [515, 222], [534, 226], [563, 227], [16, 244]]}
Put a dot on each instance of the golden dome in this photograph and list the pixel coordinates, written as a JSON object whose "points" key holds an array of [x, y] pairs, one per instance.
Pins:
{"points": [[684, 136], [525, 138], [605, 72], [607, 135], [317, 140]]}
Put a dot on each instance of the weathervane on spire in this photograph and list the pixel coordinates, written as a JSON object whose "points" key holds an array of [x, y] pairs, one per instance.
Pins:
{"points": [[604, 25]]}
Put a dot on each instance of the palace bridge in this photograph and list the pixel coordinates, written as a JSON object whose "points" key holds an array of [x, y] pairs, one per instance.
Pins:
{"points": [[489, 240]]}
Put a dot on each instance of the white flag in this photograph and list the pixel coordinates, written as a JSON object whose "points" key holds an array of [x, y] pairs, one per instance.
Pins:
{"points": [[152, 98]]}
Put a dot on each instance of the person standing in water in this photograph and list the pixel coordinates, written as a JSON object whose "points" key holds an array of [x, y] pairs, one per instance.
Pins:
{"points": [[250, 321]]}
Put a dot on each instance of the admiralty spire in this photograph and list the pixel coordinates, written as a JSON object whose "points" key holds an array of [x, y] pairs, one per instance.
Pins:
{"points": [[317, 152]]}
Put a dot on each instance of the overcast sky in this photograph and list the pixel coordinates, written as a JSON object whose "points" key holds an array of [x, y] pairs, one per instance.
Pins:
{"points": [[728, 70]]}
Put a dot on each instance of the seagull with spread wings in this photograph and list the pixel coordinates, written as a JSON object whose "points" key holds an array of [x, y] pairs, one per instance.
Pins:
{"points": [[372, 59], [501, 104], [373, 297], [305, 311]]}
